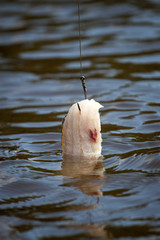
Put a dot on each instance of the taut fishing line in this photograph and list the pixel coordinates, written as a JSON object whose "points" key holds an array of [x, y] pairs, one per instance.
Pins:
{"points": [[82, 78]]}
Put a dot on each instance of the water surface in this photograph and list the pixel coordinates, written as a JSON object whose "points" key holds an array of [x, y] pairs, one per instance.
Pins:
{"points": [[42, 195]]}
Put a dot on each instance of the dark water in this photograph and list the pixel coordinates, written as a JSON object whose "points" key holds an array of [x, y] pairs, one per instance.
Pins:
{"points": [[42, 195]]}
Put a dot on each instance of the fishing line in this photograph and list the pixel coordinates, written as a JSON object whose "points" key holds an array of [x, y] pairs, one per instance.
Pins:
{"points": [[82, 78]]}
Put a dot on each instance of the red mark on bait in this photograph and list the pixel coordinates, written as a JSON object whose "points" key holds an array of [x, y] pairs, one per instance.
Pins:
{"points": [[93, 135]]}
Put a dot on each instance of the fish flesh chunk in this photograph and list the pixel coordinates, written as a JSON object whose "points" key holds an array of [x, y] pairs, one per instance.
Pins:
{"points": [[81, 131]]}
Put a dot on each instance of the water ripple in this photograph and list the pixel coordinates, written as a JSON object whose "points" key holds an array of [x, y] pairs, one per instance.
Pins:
{"points": [[43, 195]]}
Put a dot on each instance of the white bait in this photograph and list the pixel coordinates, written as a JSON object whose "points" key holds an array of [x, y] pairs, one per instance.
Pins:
{"points": [[81, 130]]}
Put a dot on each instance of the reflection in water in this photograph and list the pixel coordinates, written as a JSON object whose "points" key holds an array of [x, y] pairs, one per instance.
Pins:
{"points": [[87, 173], [94, 231]]}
